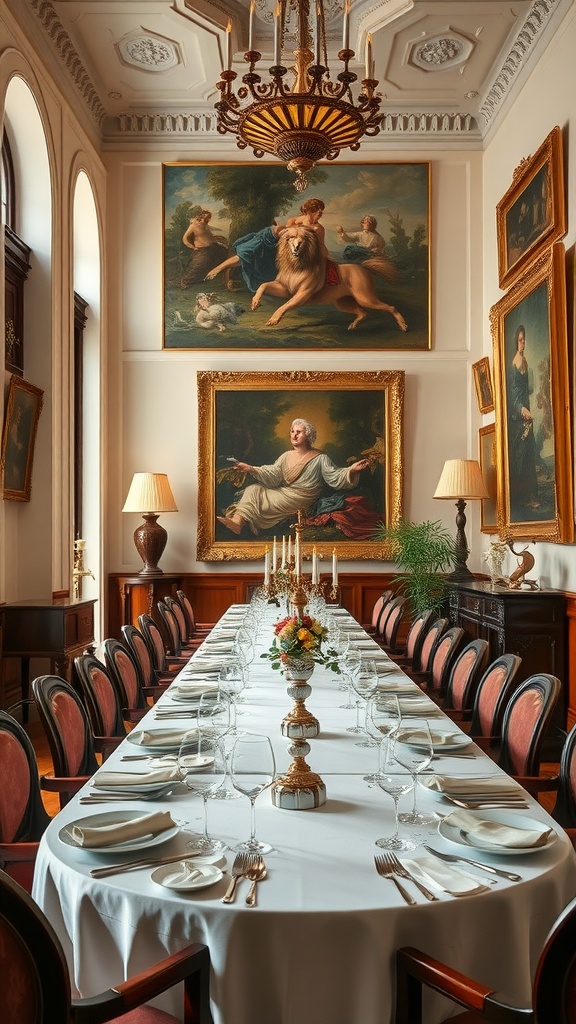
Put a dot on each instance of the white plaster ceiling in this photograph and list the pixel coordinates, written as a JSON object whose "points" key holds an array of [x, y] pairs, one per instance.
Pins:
{"points": [[148, 67]]}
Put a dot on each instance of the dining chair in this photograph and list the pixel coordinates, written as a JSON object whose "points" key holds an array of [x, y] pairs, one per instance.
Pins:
{"points": [[123, 672], [138, 646], [386, 635], [465, 675], [73, 746], [527, 717], [483, 721], [194, 628], [434, 679], [422, 662], [151, 632], [36, 986], [187, 639], [23, 818], [377, 609], [564, 784], [100, 696], [174, 645], [410, 654], [552, 990]]}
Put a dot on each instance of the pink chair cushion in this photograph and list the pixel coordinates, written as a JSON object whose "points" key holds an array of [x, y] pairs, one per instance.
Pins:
{"points": [[129, 677], [72, 729], [491, 690], [15, 788], [524, 718], [462, 670], [146, 1015], [106, 699]]}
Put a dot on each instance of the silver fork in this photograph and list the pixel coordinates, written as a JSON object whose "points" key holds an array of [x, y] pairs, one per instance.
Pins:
{"points": [[386, 872], [239, 867], [400, 869]]}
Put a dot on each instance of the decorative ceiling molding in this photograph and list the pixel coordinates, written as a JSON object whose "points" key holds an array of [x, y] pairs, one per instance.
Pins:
{"points": [[69, 56], [536, 21], [148, 52]]}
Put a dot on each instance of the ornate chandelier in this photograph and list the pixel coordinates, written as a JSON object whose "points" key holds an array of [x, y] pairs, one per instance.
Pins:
{"points": [[309, 118]]}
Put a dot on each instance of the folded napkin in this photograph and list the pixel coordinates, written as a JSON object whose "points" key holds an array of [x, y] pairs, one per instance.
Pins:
{"points": [[122, 831], [394, 685], [214, 647], [472, 785], [202, 663], [160, 738], [194, 688], [439, 739], [159, 777], [492, 833], [443, 876], [418, 707], [184, 874], [365, 645]]}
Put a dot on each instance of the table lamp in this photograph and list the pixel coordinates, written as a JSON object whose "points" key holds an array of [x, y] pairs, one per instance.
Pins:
{"points": [[150, 494], [462, 481]]}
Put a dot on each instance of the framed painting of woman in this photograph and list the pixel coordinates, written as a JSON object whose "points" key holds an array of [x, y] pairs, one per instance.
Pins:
{"points": [[532, 214], [533, 405], [23, 409], [325, 445]]}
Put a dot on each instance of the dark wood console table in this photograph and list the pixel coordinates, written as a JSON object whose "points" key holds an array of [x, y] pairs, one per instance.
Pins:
{"points": [[131, 596], [58, 629], [530, 623]]}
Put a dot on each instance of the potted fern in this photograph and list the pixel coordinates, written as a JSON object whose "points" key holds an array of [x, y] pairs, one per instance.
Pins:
{"points": [[423, 551]]}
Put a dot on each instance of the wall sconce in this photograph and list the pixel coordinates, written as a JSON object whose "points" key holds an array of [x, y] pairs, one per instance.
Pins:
{"points": [[150, 494], [462, 481]]}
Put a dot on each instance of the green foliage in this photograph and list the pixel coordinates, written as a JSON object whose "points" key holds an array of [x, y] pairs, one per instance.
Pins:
{"points": [[423, 551]]}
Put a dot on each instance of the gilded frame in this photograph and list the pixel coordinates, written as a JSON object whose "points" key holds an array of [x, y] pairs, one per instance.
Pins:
{"points": [[489, 465], [483, 385], [532, 213], [355, 413], [243, 200], [534, 450], [23, 409]]}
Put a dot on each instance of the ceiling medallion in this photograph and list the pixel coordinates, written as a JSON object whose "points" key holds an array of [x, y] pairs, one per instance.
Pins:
{"points": [[149, 53], [310, 118]]}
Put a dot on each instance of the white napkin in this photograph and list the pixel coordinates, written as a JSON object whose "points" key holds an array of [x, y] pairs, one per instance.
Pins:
{"points": [[388, 683], [443, 876], [194, 689], [185, 873], [439, 739], [214, 646], [492, 833], [418, 708], [158, 777], [472, 785], [365, 645], [222, 634], [163, 738], [122, 831], [202, 664]]}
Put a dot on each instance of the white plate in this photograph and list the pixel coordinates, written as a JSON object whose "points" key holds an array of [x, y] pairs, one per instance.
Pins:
{"points": [[442, 742], [453, 834], [113, 818], [168, 875], [165, 747]]}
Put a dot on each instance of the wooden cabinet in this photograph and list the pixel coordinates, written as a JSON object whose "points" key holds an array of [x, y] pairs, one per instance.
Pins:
{"points": [[131, 596], [530, 623]]}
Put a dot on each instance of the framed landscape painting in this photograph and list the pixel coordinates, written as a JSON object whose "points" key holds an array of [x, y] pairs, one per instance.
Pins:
{"points": [[532, 214], [533, 405], [483, 385], [254, 476], [23, 409], [248, 263]]}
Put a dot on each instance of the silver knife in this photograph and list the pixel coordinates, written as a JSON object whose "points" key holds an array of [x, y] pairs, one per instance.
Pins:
{"points": [[452, 859]]}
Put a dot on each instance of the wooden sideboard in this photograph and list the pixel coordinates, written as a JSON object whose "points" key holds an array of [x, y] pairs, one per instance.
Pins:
{"points": [[134, 595], [58, 629], [530, 623]]}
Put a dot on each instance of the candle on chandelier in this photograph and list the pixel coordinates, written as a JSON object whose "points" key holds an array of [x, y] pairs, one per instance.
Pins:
{"points": [[283, 551], [314, 565], [266, 567], [229, 45], [251, 24], [346, 26], [369, 55], [334, 568], [297, 556], [274, 555], [277, 34], [318, 35]]}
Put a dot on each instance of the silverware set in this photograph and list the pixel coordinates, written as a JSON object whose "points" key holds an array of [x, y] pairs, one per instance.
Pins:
{"points": [[388, 866], [250, 866]]}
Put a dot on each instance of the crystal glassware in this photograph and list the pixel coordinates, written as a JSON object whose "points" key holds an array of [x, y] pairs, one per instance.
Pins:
{"points": [[202, 768], [252, 769]]}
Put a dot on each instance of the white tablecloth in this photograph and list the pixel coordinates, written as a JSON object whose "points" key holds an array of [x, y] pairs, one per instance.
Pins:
{"points": [[319, 948]]}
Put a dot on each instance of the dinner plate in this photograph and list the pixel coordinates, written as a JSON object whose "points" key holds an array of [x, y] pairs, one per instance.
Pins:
{"points": [[162, 740], [171, 876], [454, 835], [442, 742], [113, 818]]}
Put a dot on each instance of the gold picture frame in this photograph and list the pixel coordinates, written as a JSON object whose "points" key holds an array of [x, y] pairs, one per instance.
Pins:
{"points": [[532, 214], [23, 409], [246, 416], [483, 385], [533, 405], [489, 465]]}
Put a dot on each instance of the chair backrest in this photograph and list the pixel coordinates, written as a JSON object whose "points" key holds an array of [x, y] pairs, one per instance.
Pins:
{"points": [[139, 648], [186, 606], [379, 606], [433, 633], [416, 634], [565, 807], [554, 988], [67, 726], [100, 696], [176, 609], [465, 674], [124, 674], [445, 650], [171, 630], [23, 817], [526, 719], [492, 695], [156, 645], [392, 622]]}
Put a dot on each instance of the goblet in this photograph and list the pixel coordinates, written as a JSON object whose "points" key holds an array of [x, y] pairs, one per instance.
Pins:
{"points": [[202, 769], [364, 684], [216, 715], [253, 769], [351, 666], [414, 750], [231, 682], [396, 782], [382, 722]]}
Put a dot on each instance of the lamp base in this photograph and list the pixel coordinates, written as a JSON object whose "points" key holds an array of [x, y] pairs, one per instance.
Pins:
{"points": [[150, 540]]}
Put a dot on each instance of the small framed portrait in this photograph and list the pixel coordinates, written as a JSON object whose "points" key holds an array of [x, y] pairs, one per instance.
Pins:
{"points": [[327, 446], [483, 385], [489, 465], [532, 214], [20, 424], [532, 398]]}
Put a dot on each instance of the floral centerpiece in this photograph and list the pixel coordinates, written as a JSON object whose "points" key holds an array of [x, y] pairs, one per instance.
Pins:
{"points": [[300, 638]]}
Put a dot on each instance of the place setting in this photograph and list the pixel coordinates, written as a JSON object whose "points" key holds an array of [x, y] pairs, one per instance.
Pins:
{"points": [[503, 833], [124, 831]]}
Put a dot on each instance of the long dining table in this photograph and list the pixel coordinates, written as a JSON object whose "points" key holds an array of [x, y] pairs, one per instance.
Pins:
{"points": [[319, 946]]}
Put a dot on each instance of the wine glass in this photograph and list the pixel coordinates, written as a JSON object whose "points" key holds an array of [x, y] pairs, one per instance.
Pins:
{"points": [[231, 682], [253, 769], [202, 768], [364, 684], [382, 723], [352, 662], [414, 750], [396, 780], [215, 714]]}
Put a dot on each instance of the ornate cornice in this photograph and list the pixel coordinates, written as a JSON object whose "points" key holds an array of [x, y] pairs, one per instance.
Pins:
{"points": [[69, 56]]}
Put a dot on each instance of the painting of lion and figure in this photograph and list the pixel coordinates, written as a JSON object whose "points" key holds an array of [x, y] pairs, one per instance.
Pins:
{"points": [[251, 264]]}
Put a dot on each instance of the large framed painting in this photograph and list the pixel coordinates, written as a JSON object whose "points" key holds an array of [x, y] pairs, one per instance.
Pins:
{"points": [[23, 409], [327, 445], [532, 396], [532, 214], [489, 467], [251, 264]]}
